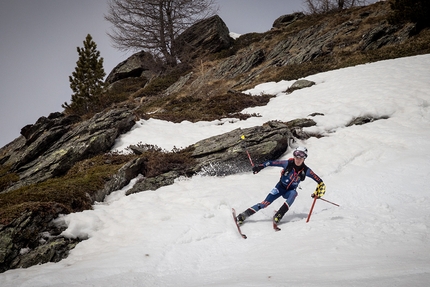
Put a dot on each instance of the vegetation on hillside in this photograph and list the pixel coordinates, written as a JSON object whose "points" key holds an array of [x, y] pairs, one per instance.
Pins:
{"points": [[73, 192]]}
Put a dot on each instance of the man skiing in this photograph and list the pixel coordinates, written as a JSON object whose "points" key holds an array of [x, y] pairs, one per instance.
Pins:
{"points": [[294, 171]]}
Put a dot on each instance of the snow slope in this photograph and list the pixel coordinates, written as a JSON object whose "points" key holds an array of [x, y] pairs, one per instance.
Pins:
{"points": [[183, 234]]}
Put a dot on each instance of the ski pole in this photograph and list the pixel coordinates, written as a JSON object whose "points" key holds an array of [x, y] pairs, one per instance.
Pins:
{"points": [[249, 156], [312, 208], [328, 201]]}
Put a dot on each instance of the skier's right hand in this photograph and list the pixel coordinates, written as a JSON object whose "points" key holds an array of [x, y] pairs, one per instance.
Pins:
{"points": [[257, 168]]}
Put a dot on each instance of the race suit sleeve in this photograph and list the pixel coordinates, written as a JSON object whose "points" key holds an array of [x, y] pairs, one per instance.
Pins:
{"points": [[313, 175], [280, 163]]}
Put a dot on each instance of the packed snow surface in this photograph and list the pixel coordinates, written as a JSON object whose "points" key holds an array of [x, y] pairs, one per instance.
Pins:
{"points": [[184, 235]]}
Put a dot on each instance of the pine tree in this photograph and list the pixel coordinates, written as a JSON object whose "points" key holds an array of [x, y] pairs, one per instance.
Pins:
{"points": [[86, 81]]}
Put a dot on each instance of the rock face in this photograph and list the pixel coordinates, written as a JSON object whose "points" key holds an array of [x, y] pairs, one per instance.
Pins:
{"points": [[362, 29], [23, 244], [265, 142], [54, 144], [205, 37], [35, 237], [137, 65]]}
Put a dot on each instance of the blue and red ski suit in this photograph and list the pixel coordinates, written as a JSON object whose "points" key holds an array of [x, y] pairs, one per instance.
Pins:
{"points": [[288, 183]]}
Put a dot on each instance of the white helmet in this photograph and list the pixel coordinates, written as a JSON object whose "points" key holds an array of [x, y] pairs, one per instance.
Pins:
{"points": [[301, 152]]}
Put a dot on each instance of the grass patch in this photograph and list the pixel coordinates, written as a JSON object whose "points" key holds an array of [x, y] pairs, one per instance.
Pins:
{"points": [[202, 109], [7, 177]]}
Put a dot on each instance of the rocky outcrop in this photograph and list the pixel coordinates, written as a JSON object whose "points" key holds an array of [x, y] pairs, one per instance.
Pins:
{"points": [[265, 142], [384, 35], [285, 20], [365, 119], [226, 154], [361, 29], [53, 145], [141, 64], [126, 173], [203, 38], [33, 239], [36, 138]]}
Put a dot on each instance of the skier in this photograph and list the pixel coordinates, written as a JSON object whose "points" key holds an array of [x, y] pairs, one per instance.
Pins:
{"points": [[294, 171]]}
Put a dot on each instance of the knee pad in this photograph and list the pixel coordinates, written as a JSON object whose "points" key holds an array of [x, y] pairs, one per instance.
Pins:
{"points": [[274, 191]]}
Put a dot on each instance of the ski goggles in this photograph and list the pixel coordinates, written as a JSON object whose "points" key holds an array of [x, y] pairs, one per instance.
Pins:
{"points": [[299, 154]]}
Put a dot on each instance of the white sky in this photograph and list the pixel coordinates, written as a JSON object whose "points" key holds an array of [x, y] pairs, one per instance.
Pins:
{"points": [[183, 234], [38, 49]]}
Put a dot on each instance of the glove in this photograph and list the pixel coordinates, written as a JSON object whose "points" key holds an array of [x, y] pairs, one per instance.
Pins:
{"points": [[319, 191], [257, 168]]}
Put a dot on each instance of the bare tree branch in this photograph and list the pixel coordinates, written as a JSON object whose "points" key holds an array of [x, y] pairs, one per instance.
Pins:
{"points": [[153, 25]]}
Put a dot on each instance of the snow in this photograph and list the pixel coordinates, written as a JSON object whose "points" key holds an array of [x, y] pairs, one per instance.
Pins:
{"points": [[183, 234]]}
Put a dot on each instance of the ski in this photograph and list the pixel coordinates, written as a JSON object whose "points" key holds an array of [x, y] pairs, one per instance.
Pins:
{"points": [[237, 224]]}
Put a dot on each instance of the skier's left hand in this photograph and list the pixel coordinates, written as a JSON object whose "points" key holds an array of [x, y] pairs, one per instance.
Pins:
{"points": [[257, 168]]}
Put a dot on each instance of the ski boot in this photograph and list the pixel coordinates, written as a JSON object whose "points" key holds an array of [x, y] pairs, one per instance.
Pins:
{"points": [[241, 217], [280, 213]]}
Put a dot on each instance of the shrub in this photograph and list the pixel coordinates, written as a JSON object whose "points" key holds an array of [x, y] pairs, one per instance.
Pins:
{"points": [[158, 161]]}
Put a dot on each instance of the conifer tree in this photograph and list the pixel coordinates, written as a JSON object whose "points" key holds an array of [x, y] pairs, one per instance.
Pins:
{"points": [[86, 81]]}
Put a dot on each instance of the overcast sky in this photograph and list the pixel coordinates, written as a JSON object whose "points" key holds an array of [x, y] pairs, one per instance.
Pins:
{"points": [[38, 40]]}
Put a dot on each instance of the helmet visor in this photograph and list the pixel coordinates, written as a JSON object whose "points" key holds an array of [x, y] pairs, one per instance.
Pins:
{"points": [[299, 154]]}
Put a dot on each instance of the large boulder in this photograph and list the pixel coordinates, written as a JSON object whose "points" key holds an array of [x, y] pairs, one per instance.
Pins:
{"points": [[205, 37], [141, 64], [286, 20], [266, 142]]}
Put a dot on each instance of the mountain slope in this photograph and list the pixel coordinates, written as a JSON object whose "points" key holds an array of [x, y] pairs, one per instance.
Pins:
{"points": [[183, 234]]}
